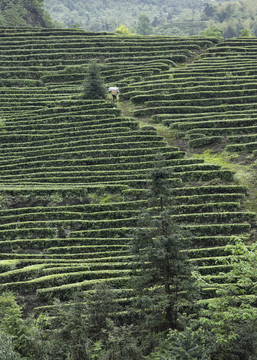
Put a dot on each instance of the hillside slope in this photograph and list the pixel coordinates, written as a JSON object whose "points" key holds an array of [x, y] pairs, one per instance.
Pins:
{"points": [[23, 13], [107, 15], [74, 171], [169, 17]]}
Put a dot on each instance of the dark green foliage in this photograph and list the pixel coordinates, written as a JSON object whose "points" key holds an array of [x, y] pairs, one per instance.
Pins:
{"points": [[24, 337], [243, 347], [165, 273], [91, 330], [189, 344], [69, 337], [93, 86], [162, 280], [101, 306], [11, 321], [6, 348], [159, 188], [120, 343]]}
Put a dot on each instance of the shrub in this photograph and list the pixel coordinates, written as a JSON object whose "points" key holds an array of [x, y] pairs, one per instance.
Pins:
{"points": [[123, 30]]}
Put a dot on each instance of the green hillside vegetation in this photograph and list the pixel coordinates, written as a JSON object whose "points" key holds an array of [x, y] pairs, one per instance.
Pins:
{"points": [[23, 13], [108, 15], [232, 16], [75, 184], [171, 17]]}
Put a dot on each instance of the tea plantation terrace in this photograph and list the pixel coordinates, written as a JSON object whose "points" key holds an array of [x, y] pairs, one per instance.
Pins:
{"points": [[210, 101], [74, 171]]}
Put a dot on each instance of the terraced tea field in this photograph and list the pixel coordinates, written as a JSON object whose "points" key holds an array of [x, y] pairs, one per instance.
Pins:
{"points": [[210, 101], [74, 172]]}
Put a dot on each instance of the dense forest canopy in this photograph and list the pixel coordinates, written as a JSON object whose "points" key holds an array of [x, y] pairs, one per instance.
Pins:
{"points": [[232, 16], [169, 17], [107, 15], [23, 13]]}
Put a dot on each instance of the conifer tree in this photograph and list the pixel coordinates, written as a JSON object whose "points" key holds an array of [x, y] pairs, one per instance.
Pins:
{"points": [[100, 308], [68, 334], [113, 340], [162, 278], [93, 85], [144, 27]]}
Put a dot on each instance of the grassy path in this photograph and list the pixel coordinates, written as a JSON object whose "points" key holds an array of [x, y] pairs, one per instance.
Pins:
{"points": [[169, 135]]}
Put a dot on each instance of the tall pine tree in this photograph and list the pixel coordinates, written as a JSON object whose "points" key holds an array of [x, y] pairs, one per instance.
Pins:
{"points": [[162, 279], [93, 85]]}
